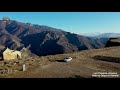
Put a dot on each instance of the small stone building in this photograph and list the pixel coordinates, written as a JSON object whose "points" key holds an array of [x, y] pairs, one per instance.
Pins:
{"points": [[11, 54], [6, 19]]}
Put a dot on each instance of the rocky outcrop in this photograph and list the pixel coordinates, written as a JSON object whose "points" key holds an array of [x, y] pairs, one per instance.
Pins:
{"points": [[113, 42]]}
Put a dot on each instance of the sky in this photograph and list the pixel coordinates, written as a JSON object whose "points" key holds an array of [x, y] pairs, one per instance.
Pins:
{"points": [[74, 22]]}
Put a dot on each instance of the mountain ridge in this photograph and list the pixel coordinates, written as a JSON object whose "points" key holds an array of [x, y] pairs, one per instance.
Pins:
{"points": [[102, 35], [44, 40]]}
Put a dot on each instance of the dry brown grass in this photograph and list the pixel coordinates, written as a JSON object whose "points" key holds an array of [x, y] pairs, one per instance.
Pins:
{"points": [[52, 66]]}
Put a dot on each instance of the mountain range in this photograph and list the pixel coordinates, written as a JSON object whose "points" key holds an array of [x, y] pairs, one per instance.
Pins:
{"points": [[102, 35], [44, 40]]}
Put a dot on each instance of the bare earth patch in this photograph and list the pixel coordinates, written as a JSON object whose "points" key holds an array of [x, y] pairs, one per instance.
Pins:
{"points": [[83, 65]]}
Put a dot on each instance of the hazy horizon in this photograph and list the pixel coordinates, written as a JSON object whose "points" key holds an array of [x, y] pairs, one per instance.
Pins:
{"points": [[74, 22]]}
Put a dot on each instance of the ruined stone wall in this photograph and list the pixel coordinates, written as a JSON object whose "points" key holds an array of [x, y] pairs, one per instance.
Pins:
{"points": [[9, 56]]}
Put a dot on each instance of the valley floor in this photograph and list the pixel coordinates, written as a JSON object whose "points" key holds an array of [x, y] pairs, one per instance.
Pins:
{"points": [[83, 65]]}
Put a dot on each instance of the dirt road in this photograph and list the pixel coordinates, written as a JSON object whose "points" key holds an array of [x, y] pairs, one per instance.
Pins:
{"points": [[82, 66]]}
